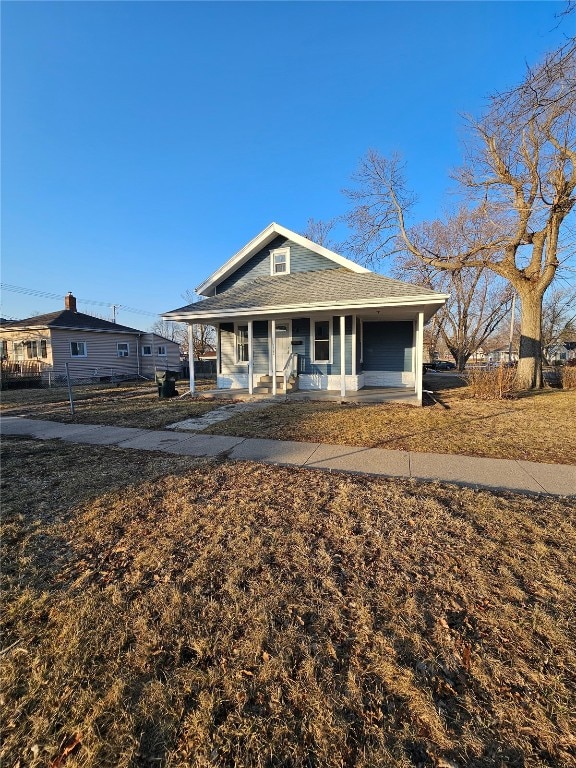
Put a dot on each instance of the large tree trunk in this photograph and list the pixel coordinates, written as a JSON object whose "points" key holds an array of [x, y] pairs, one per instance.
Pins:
{"points": [[529, 374]]}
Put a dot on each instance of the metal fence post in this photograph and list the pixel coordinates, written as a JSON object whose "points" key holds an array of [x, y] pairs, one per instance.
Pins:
{"points": [[70, 395]]}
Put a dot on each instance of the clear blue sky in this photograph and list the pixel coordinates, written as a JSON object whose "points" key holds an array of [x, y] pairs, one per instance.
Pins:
{"points": [[144, 143]]}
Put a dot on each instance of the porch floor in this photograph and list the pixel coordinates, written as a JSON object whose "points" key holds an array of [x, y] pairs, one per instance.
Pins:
{"points": [[365, 395]]}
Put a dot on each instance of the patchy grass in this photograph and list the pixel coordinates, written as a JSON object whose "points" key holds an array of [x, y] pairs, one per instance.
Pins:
{"points": [[234, 614], [540, 427], [126, 406]]}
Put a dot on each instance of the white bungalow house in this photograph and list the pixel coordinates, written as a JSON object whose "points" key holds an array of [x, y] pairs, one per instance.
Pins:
{"points": [[290, 313]]}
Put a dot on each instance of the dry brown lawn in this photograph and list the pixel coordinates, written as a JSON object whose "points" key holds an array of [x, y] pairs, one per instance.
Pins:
{"points": [[246, 616], [540, 427], [126, 406]]}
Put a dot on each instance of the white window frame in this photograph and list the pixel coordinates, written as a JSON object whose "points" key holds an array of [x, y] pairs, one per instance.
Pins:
{"points": [[285, 251], [19, 351], [144, 348], [43, 348], [120, 351], [31, 346], [161, 350], [244, 327], [313, 340], [84, 354]]}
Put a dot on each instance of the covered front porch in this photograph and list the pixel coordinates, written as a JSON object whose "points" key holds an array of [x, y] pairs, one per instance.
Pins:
{"points": [[364, 357]]}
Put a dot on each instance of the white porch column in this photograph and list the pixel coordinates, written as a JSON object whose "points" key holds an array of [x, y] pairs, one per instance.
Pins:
{"points": [[250, 358], [191, 355], [342, 356], [273, 342], [419, 354], [354, 322], [218, 357]]}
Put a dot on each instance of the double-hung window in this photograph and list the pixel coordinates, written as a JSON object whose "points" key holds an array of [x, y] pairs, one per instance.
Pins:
{"points": [[280, 261], [78, 349], [322, 341], [31, 349], [161, 350], [43, 348], [123, 349], [241, 343]]}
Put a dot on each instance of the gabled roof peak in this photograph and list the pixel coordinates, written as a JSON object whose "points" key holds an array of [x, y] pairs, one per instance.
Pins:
{"points": [[260, 241]]}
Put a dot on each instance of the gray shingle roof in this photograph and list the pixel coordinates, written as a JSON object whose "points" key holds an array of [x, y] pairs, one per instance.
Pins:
{"points": [[305, 288], [65, 318]]}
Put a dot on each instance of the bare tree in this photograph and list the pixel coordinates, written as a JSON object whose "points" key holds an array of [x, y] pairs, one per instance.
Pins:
{"points": [[521, 174], [204, 336], [558, 318], [169, 329], [319, 232], [479, 299]]}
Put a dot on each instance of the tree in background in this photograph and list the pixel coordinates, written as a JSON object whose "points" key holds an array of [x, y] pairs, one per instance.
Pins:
{"points": [[319, 232], [558, 319], [479, 299], [519, 179]]}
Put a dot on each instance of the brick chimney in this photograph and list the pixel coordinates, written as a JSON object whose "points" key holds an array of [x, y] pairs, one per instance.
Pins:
{"points": [[70, 302]]}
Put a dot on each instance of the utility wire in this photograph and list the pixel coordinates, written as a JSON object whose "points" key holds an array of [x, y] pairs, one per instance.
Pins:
{"points": [[46, 295]]}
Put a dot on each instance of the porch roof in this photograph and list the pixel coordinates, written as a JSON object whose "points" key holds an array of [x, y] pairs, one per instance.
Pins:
{"points": [[323, 290]]}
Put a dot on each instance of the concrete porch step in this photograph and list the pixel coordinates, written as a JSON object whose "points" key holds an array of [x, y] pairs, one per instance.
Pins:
{"points": [[268, 379], [262, 390]]}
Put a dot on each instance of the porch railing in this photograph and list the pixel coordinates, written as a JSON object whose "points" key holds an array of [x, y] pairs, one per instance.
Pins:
{"points": [[289, 369]]}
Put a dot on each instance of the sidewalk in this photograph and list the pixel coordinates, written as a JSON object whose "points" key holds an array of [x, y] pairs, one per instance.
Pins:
{"points": [[497, 474]]}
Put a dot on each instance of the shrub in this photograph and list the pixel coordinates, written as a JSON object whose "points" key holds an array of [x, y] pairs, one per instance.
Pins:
{"points": [[568, 377], [492, 384]]}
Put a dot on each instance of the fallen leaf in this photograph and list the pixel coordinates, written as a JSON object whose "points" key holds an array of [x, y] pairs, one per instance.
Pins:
{"points": [[265, 656], [67, 747], [247, 672]]}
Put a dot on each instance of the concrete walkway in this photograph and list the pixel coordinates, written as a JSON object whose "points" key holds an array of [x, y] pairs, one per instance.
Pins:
{"points": [[497, 474], [222, 413]]}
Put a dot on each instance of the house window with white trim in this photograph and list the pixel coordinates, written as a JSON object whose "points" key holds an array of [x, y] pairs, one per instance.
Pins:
{"points": [[322, 341], [3, 350], [43, 348], [78, 349], [161, 350], [31, 349], [280, 261], [241, 343], [123, 349], [147, 350]]}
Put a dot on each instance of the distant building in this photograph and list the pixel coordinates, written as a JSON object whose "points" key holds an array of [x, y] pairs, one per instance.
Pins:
{"points": [[502, 355], [92, 347]]}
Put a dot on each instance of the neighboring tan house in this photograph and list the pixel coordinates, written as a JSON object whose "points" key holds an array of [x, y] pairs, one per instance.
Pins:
{"points": [[93, 348], [288, 306]]}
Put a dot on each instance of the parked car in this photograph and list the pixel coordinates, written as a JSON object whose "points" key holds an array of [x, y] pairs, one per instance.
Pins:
{"points": [[440, 365]]}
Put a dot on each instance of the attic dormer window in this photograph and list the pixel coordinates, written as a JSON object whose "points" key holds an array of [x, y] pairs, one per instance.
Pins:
{"points": [[280, 261]]}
